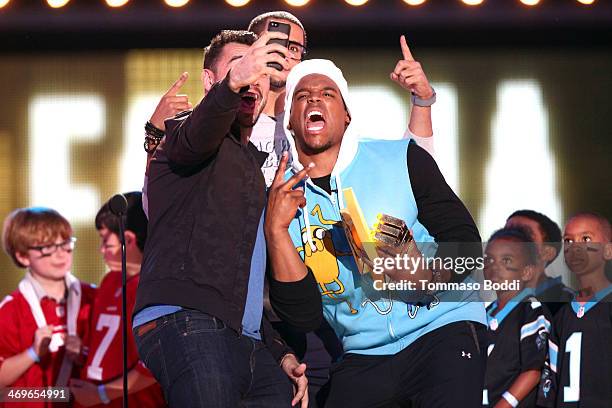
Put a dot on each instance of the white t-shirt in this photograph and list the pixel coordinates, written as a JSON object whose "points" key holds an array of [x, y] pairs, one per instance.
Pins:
{"points": [[268, 136]]}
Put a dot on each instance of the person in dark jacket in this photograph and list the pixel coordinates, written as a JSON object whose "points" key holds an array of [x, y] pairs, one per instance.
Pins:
{"points": [[198, 317]]}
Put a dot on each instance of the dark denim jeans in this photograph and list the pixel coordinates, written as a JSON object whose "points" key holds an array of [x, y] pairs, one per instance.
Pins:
{"points": [[200, 362]]}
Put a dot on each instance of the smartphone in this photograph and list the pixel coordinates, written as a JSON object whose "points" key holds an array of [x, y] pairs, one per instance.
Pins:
{"points": [[285, 29]]}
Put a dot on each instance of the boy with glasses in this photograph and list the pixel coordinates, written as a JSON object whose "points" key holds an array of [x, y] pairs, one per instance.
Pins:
{"points": [[44, 321]]}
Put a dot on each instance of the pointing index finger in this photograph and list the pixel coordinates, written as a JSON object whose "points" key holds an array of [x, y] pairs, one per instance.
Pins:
{"points": [[176, 86], [405, 50]]}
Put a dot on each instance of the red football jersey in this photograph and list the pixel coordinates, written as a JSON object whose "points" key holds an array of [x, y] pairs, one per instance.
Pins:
{"points": [[17, 328], [105, 358]]}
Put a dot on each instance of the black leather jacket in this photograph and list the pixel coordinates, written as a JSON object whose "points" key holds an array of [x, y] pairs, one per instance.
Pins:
{"points": [[206, 195]]}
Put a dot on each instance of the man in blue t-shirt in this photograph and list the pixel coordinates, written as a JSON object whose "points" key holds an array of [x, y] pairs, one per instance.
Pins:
{"points": [[423, 351]]}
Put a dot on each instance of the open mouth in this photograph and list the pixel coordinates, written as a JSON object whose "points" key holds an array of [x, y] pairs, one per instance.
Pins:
{"points": [[249, 102], [315, 121]]}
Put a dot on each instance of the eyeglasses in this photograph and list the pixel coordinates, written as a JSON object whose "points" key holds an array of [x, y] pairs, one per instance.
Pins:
{"points": [[296, 50], [47, 250]]}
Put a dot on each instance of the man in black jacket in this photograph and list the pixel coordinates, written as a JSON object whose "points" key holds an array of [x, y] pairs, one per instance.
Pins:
{"points": [[198, 315]]}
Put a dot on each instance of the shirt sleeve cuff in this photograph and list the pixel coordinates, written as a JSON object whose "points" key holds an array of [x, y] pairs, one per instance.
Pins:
{"points": [[426, 143]]}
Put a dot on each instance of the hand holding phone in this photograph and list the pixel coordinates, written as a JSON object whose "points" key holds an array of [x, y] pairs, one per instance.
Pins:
{"points": [[282, 28], [256, 61]]}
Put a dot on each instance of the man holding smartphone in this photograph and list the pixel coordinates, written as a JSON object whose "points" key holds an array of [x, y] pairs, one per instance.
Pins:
{"points": [[268, 134], [198, 320]]}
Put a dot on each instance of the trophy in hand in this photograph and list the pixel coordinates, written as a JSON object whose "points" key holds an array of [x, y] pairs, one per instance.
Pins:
{"points": [[359, 236], [389, 236], [392, 232]]}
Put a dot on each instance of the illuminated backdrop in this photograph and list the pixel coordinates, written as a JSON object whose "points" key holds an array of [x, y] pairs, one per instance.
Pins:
{"points": [[514, 128]]}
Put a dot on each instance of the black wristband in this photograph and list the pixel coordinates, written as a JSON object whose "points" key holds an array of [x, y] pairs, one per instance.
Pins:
{"points": [[151, 143], [153, 131]]}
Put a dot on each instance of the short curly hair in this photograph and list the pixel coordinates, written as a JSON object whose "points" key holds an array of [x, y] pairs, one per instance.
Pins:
{"points": [[257, 24], [551, 233], [522, 236]]}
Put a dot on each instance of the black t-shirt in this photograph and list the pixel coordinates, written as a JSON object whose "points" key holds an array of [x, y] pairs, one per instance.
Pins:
{"points": [[581, 355], [517, 342]]}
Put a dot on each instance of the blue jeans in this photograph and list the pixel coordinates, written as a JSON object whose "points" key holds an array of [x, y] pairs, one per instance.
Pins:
{"points": [[200, 362]]}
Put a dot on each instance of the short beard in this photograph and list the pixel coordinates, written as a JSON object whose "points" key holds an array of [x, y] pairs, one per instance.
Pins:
{"points": [[247, 122], [277, 85], [312, 151]]}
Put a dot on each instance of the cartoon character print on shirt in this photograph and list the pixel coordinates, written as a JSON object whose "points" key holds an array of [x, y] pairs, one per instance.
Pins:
{"points": [[414, 309], [322, 260], [379, 310], [411, 308]]}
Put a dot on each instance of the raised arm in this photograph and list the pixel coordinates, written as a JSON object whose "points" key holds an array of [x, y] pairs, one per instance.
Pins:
{"points": [[409, 74], [193, 138], [293, 290]]}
